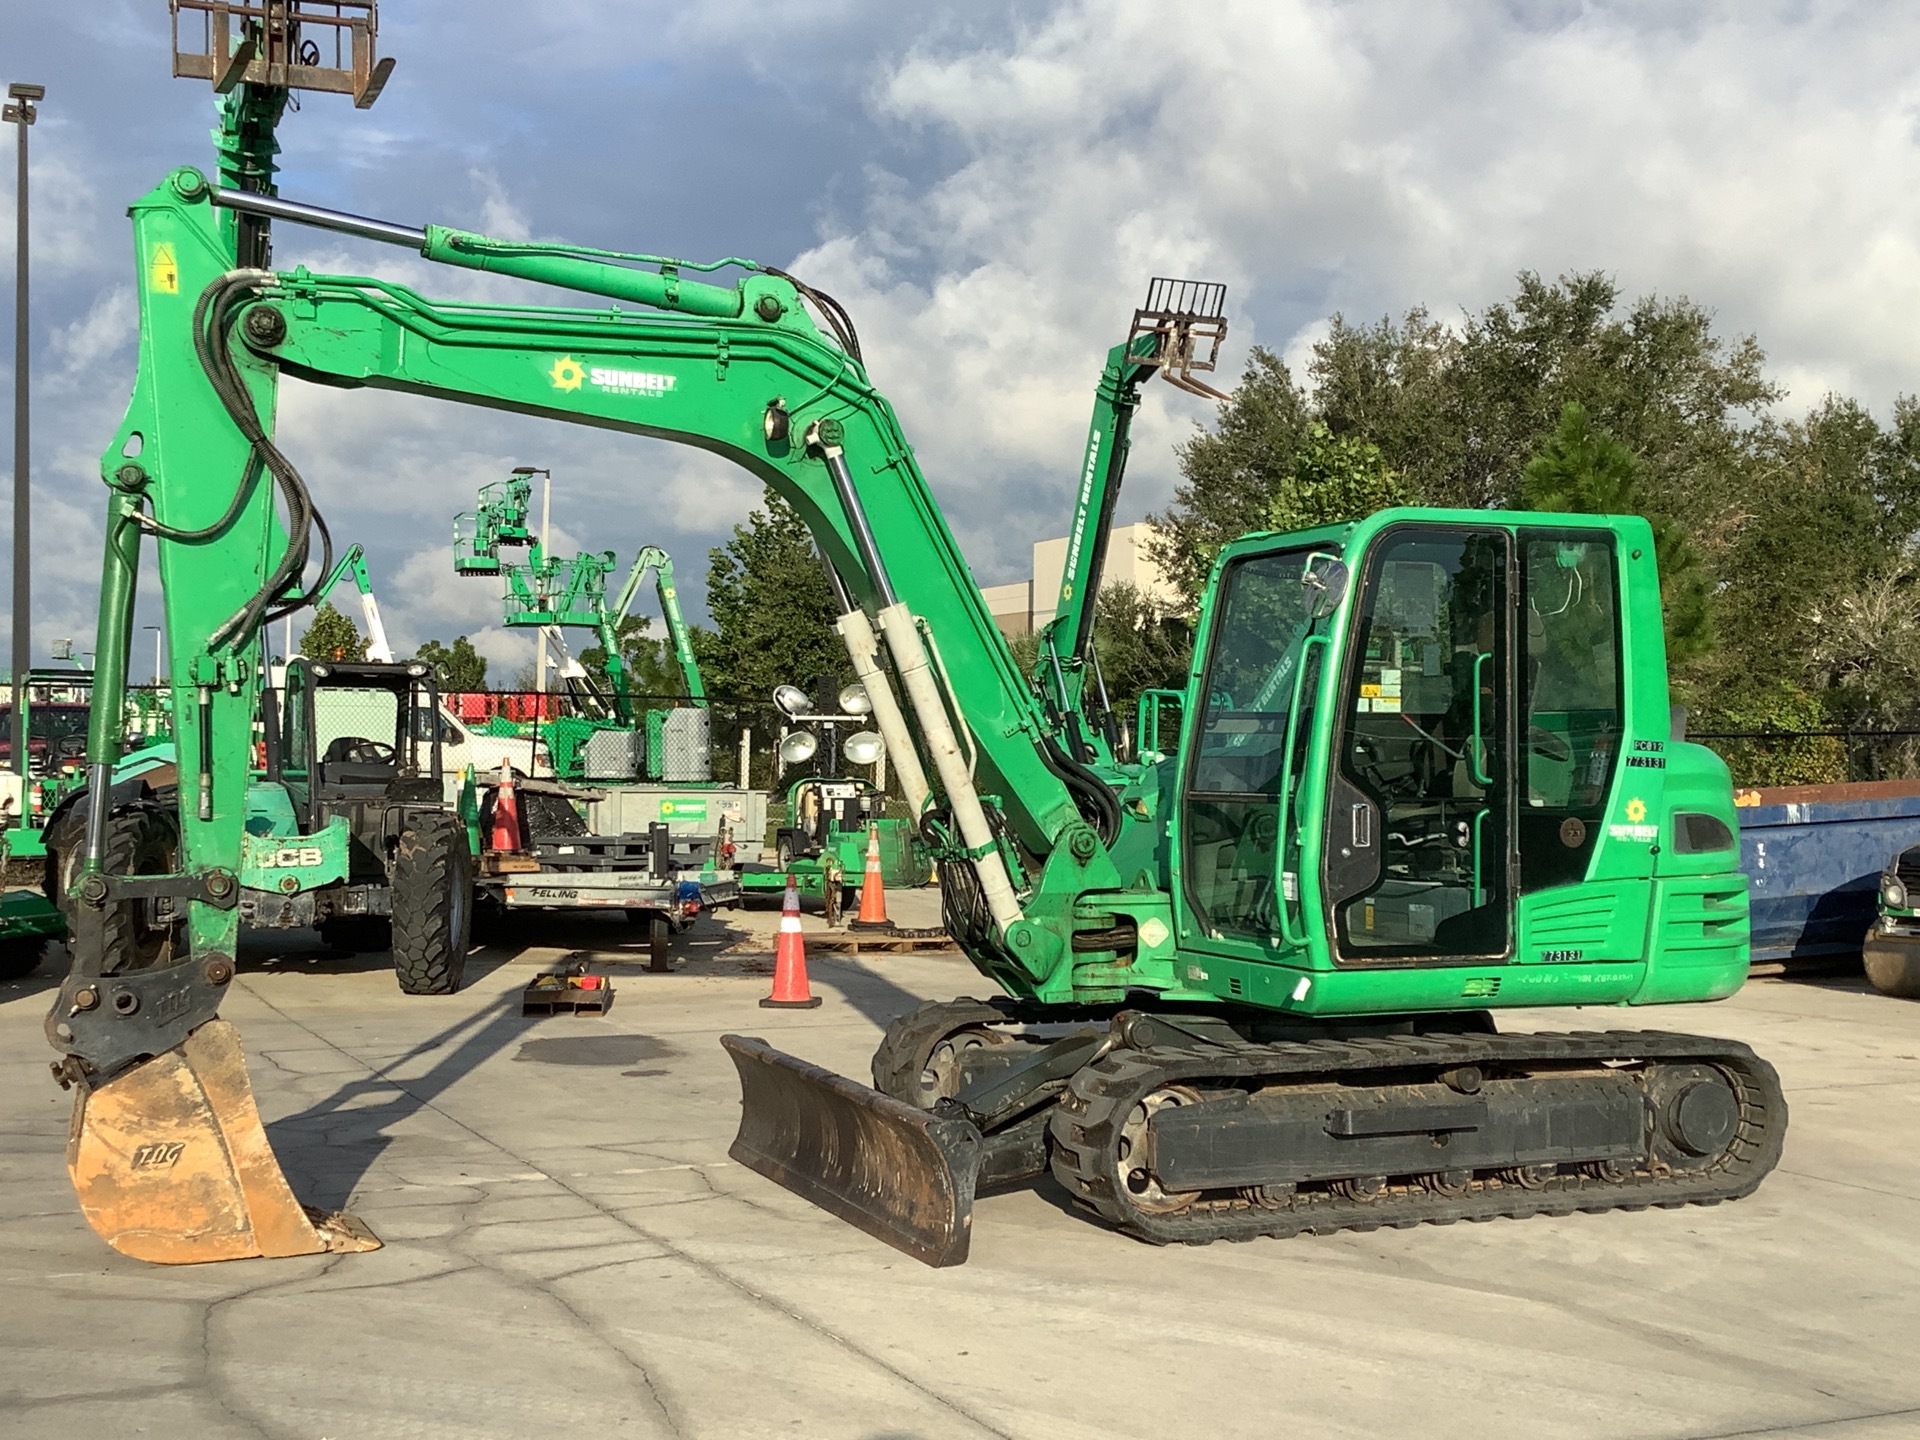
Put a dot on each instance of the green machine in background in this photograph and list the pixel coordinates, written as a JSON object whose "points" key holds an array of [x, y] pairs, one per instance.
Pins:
{"points": [[821, 839], [552, 594], [28, 921], [1891, 949], [59, 707], [1426, 774]]}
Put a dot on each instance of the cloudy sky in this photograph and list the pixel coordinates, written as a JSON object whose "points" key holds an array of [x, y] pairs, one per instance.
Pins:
{"points": [[987, 185]]}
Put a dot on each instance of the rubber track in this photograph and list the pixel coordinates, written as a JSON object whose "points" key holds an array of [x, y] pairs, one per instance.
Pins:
{"points": [[911, 1038], [1085, 1131], [428, 959]]}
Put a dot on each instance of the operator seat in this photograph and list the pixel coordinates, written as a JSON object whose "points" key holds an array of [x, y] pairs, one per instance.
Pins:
{"points": [[350, 769]]}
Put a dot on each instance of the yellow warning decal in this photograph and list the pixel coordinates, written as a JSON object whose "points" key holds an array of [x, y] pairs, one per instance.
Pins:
{"points": [[163, 271]]}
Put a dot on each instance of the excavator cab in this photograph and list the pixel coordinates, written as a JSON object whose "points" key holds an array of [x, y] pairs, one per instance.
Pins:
{"points": [[1407, 777]]}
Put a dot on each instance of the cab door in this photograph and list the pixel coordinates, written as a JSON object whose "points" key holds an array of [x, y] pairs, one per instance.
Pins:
{"points": [[1252, 719], [1417, 852], [296, 742]]}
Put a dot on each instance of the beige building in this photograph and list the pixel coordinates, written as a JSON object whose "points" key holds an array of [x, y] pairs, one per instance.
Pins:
{"points": [[1026, 605]]}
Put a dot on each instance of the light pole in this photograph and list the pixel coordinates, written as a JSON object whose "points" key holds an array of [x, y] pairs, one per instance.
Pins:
{"points": [[546, 542], [21, 111], [156, 653]]}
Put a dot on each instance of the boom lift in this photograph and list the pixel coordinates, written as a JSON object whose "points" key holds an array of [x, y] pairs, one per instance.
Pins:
{"points": [[354, 563], [1426, 774], [553, 595]]}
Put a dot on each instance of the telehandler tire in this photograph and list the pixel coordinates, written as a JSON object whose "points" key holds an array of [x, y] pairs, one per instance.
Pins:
{"points": [[142, 840], [432, 905], [1893, 966], [65, 838]]}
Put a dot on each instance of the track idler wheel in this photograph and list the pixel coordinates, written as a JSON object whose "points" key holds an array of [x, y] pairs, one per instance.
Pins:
{"points": [[171, 1165], [1136, 1159]]}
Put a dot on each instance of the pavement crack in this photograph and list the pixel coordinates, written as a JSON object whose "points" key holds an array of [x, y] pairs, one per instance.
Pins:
{"points": [[1846, 1184], [1807, 1427]]}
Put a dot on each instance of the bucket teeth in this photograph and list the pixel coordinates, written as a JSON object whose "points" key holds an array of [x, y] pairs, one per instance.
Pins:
{"points": [[171, 1164], [903, 1175]]}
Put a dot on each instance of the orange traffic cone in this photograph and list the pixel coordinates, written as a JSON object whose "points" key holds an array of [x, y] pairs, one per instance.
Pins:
{"points": [[506, 814], [873, 889], [790, 990]]}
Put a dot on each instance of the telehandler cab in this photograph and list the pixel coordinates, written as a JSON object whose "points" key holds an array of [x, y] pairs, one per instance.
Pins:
{"points": [[1426, 774], [349, 831]]}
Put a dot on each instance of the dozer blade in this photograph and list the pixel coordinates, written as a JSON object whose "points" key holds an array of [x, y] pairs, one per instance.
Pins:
{"points": [[171, 1164], [903, 1175]]}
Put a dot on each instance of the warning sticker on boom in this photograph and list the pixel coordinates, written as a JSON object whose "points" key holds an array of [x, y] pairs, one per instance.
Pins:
{"points": [[163, 271]]}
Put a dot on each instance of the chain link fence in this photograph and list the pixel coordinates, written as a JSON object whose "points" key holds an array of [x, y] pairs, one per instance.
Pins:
{"points": [[728, 740], [737, 727]]}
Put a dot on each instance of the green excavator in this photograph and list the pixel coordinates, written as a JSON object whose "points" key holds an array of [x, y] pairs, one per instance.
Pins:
{"points": [[1425, 775]]}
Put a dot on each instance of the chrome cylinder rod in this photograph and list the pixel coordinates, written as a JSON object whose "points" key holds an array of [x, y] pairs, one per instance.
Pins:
{"points": [[273, 207]]}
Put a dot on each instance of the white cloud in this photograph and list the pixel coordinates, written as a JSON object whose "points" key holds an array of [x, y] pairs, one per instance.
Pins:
{"points": [[1322, 157], [1020, 171]]}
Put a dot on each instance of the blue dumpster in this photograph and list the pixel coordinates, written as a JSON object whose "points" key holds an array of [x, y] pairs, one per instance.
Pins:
{"points": [[1813, 856]]}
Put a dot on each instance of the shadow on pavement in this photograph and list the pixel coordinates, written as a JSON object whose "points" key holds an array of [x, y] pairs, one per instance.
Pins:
{"points": [[873, 994], [327, 1149]]}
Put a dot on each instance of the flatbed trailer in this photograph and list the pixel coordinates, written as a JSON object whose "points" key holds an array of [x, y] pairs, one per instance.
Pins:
{"points": [[658, 879]]}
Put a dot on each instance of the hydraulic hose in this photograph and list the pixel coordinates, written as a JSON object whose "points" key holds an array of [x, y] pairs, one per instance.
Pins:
{"points": [[1099, 806], [212, 322]]}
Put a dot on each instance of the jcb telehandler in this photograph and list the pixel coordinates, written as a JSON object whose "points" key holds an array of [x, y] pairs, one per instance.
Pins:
{"points": [[346, 831], [349, 831], [1426, 774]]}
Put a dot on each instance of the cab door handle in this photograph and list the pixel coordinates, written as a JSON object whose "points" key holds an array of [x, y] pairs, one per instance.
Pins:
{"points": [[1362, 826]]}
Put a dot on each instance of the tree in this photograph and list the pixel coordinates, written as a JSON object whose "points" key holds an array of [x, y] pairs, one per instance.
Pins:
{"points": [[332, 636], [650, 664], [772, 608], [1460, 411], [1583, 470], [1231, 473], [1789, 550], [457, 666], [1139, 646], [1336, 479]]}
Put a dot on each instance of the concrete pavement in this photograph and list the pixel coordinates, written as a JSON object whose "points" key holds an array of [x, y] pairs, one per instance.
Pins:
{"points": [[569, 1252]]}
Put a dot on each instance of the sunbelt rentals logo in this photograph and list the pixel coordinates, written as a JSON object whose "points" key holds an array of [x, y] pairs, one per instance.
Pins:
{"points": [[1636, 828], [571, 374]]}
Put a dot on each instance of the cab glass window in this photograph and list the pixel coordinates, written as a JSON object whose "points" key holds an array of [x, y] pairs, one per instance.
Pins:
{"points": [[1570, 696], [1255, 667]]}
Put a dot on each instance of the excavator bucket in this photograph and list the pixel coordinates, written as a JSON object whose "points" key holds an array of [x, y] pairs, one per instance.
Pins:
{"points": [[171, 1164], [903, 1175]]}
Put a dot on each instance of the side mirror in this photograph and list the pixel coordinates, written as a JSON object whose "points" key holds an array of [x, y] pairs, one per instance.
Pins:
{"points": [[1325, 583]]}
